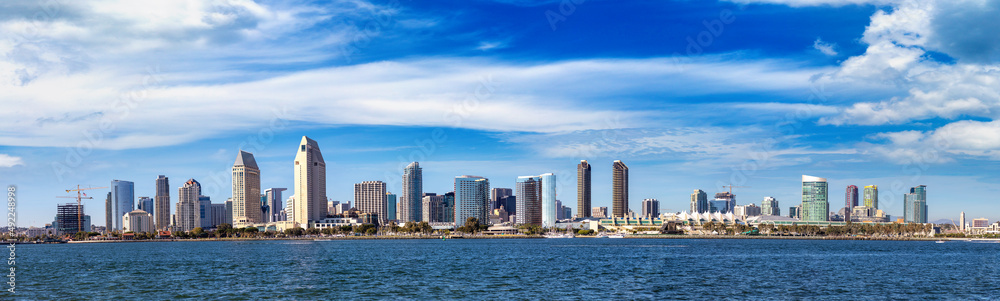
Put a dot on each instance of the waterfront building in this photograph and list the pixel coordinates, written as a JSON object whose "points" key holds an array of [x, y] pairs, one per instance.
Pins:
{"points": [[370, 197], [138, 221], [146, 204], [795, 211], [497, 196], [980, 222], [217, 215], [583, 189], [724, 202], [70, 219], [915, 205], [599, 212], [770, 207], [123, 197], [472, 198], [549, 208], [204, 212], [815, 205], [161, 214], [229, 211], [273, 201], [310, 183], [109, 214], [188, 217], [413, 190], [850, 201], [246, 188], [529, 200], [433, 210], [961, 222], [650, 208], [744, 211], [448, 214], [290, 208], [699, 202], [871, 196], [619, 189], [390, 205]]}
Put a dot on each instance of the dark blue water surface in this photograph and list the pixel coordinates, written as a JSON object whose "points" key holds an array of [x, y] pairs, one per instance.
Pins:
{"points": [[512, 268]]}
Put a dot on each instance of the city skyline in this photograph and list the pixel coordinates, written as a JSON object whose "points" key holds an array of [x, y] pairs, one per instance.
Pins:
{"points": [[524, 97]]}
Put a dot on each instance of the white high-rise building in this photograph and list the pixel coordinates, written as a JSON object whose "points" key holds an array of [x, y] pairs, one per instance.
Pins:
{"points": [[310, 183], [369, 196], [188, 214], [411, 201], [472, 199], [290, 208], [246, 189], [138, 221]]}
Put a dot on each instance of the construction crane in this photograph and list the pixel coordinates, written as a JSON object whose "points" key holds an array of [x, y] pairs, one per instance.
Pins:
{"points": [[731, 187], [79, 200]]}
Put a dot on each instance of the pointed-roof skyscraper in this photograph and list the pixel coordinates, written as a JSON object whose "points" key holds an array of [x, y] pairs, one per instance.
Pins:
{"points": [[246, 189], [310, 183]]}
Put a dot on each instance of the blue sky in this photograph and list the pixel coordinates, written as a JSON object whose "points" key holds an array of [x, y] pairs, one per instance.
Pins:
{"points": [[690, 94]]}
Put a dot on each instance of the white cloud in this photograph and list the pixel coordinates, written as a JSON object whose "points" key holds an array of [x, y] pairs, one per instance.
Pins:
{"points": [[10, 161], [804, 3], [973, 139], [825, 48]]}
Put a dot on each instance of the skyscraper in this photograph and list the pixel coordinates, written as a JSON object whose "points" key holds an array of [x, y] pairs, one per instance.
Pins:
{"points": [[549, 208], [369, 196], [70, 219], [188, 203], [529, 200], [448, 215], [204, 212], [274, 203], [724, 202], [497, 196], [146, 204], [619, 189], [915, 205], [961, 222], [583, 189], [310, 183], [162, 214], [815, 205], [246, 189], [390, 205], [650, 208], [108, 214], [599, 212], [433, 208], [699, 202], [229, 211], [218, 215], [770, 207], [871, 196], [413, 190], [123, 197], [850, 201], [472, 197]]}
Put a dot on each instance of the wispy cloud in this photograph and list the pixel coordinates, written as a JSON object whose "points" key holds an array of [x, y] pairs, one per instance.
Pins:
{"points": [[10, 161], [824, 47]]}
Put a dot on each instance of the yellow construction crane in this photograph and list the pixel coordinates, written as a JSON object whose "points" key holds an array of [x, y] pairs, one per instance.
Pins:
{"points": [[79, 200], [731, 187]]}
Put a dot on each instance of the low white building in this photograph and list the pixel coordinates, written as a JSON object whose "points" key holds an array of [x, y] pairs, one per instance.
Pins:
{"points": [[138, 221]]}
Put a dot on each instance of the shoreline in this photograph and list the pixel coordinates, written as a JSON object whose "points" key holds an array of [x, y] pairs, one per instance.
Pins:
{"points": [[649, 236]]}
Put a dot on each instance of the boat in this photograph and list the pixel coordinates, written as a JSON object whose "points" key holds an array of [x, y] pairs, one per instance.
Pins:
{"points": [[617, 236], [602, 235], [940, 241], [553, 235]]}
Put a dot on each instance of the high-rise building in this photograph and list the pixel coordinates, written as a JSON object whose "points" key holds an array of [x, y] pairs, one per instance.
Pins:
{"points": [[549, 208], [109, 214], [123, 197], [448, 215], [699, 202], [472, 198], [915, 205], [274, 203], [583, 189], [871, 196], [770, 207], [619, 189], [138, 221], [815, 205], [162, 214], [497, 196], [146, 204], [724, 202], [70, 219], [529, 200], [850, 201], [510, 204], [413, 189], [218, 216], [961, 222], [599, 212], [229, 211], [246, 189], [390, 204], [204, 212], [744, 211], [369, 197], [567, 212], [433, 208], [188, 203], [650, 208], [980, 222], [310, 183], [795, 212]]}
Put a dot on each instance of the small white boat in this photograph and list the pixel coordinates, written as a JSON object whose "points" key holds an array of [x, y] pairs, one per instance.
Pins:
{"points": [[617, 236], [602, 235], [940, 241]]}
